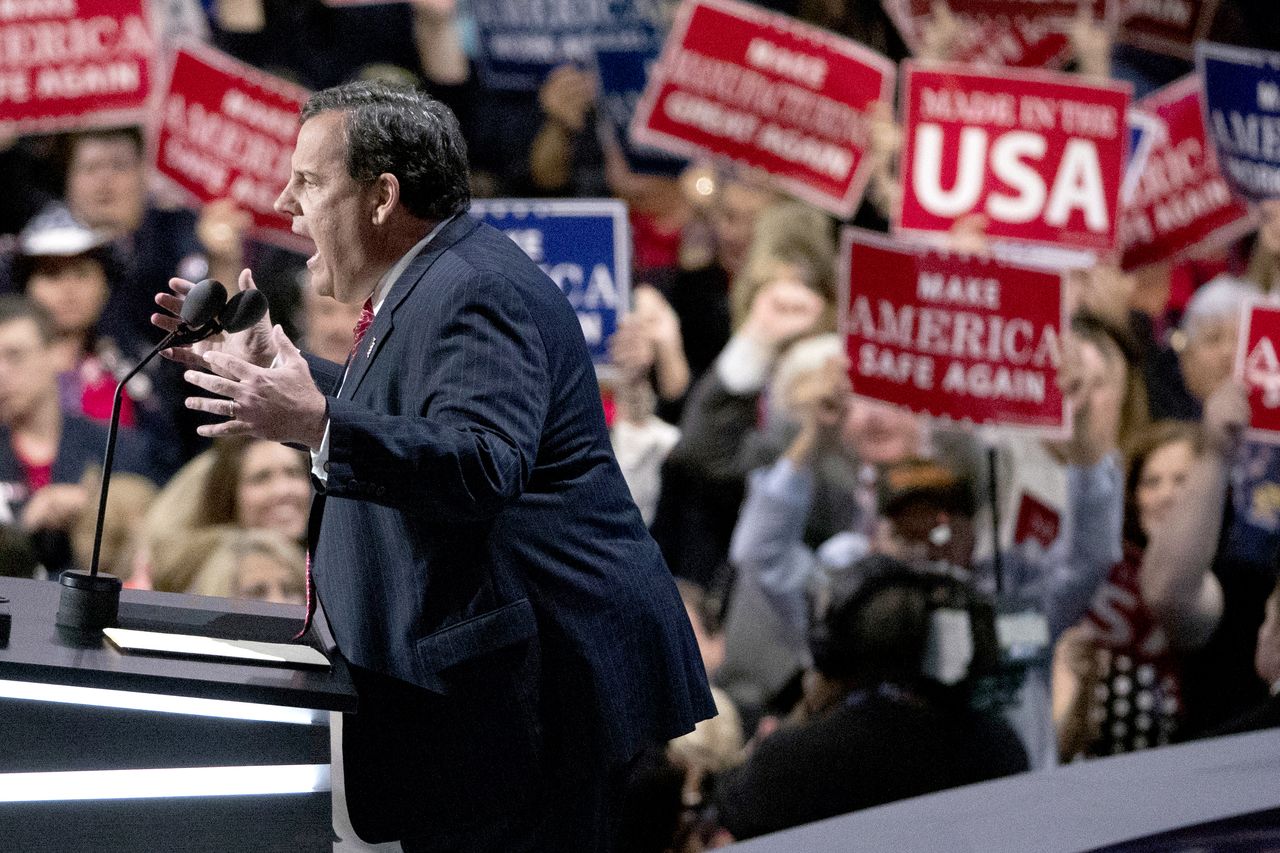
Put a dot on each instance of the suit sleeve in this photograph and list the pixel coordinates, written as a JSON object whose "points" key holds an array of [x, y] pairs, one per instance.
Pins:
{"points": [[484, 385], [326, 374]]}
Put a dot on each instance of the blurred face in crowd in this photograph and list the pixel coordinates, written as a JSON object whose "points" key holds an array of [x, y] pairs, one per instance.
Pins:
{"points": [[73, 290], [1101, 373], [261, 576], [773, 271], [274, 491], [27, 372], [330, 326], [880, 434], [733, 219], [1209, 355], [1161, 482], [106, 184], [333, 209], [1101, 367]]}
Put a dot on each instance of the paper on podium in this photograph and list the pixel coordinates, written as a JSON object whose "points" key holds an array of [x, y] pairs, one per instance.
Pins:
{"points": [[210, 648]]}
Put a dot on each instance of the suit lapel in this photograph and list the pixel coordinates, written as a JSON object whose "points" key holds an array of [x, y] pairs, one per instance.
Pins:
{"points": [[383, 324]]}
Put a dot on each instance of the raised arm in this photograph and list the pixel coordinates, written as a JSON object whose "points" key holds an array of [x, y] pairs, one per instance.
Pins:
{"points": [[1094, 378], [768, 542], [1090, 543], [566, 99], [720, 414], [435, 32], [463, 439], [1177, 579]]}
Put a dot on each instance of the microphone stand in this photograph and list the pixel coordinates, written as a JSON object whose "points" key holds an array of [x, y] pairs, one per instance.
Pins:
{"points": [[90, 601]]}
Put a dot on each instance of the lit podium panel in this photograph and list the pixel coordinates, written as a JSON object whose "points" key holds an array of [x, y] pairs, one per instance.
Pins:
{"points": [[106, 751]]}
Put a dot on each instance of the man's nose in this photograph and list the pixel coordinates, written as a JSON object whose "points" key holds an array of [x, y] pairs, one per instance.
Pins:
{"points": [[283, 202]]}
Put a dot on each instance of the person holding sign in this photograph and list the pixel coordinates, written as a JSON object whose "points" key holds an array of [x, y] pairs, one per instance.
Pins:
{"points": [[1105, 713], [933, 524], [514, 635], [1209, 601], [784, 291]]}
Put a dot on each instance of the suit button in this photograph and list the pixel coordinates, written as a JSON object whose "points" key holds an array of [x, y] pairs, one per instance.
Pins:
{"points": [[380, 490]]}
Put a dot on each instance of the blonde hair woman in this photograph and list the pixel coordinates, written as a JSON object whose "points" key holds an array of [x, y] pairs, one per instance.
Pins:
{"points": [[258, 564]]}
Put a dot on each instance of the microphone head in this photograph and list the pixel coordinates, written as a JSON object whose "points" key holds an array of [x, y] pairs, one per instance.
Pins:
{"points": [[243, 310], [203, 304]]}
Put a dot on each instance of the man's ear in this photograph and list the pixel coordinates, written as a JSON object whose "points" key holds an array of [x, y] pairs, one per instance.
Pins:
{"points": [[386, 197]]}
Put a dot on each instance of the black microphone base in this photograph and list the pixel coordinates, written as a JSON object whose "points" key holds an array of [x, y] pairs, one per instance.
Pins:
{"points": [[88, 602]]}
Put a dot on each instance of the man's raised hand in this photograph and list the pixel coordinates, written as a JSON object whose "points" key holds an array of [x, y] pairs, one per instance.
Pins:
{"points": [[278, 403], [253, 345]]}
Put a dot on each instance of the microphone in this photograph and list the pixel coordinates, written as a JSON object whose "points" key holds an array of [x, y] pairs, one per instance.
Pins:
{"points": [[200, 312], [243, 310], [90, 601], [204, 303], [237, 314]]}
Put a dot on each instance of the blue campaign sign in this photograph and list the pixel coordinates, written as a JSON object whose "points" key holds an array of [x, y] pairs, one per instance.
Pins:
{"points": [[522, 40], [1242, 115], [584, 245], [623, 75], [1145, 130]]}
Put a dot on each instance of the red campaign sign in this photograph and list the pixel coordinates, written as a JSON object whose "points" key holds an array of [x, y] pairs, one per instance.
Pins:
{"points": [[1181, 201], [1014, 33], [1060, 10], [1015, 44], [953, 336], [1036, 522], [226, 130], [1039, 155], [769, 92], [1258, 364], [69, 64], [1171, 27]]}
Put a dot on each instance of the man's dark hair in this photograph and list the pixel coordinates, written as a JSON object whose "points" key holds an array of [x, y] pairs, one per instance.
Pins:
{"points": [[875, 628], [14, 307], [404, 132]]}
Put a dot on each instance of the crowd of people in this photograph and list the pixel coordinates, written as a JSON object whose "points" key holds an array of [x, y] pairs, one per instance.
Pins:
{"points": [[872, 627]]}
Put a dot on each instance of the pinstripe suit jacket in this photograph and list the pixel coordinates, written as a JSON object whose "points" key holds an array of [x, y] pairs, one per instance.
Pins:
{"points": [[475, 527]]}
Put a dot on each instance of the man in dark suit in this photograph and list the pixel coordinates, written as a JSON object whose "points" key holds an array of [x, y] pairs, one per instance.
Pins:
{"points": [[515, 637]]}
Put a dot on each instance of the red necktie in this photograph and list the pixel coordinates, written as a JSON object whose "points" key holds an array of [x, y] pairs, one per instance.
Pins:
{"points": [[362, 326], [311, 601]]}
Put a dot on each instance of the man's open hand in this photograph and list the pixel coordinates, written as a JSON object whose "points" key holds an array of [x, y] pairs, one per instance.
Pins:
{"points": [[252, 345], [277, 403]]}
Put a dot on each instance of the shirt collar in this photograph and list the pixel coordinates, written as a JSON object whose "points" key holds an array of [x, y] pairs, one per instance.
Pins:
{"points": [[392, 275]]}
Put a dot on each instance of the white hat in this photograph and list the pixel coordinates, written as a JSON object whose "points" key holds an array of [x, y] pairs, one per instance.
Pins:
{"points": [[56, 233], [1220, 298]]}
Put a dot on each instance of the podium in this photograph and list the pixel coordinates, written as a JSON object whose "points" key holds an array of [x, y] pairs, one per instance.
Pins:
{"points": [[105, 751]]}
